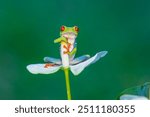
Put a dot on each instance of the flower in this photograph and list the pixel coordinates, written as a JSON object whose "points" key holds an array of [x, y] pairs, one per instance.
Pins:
{"points": [[76, 65], [68, 49]]}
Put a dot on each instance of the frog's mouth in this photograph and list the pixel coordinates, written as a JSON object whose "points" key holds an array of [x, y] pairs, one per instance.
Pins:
{"points": [[69, 35]]}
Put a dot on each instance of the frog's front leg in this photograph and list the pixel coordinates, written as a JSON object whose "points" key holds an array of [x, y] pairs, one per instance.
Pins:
{"points": [[73, 51], [60, 39]]}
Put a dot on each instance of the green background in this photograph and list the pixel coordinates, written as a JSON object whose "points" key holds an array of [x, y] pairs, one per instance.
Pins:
{"points": [[27, 31]]}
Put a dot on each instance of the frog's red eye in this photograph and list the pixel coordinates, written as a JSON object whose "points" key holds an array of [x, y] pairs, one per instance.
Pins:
{"points": [[62, 28], [76, 28]]}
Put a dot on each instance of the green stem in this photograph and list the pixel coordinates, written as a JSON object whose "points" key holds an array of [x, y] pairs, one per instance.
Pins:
{"points": [[67, 83], [149, 94]]}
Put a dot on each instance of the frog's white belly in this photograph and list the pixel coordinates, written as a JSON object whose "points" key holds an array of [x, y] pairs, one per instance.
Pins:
{"points": [[64, 57]]}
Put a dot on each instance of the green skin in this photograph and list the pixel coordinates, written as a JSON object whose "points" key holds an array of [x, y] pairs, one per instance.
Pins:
{"points": [[63, 39]]}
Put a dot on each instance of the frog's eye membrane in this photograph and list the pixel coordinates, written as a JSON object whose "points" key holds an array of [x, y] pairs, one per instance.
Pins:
{"points": [[62, 28], [76, 29]]}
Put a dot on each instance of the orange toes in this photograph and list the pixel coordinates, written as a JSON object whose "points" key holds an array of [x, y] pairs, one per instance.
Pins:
{"points": [[48, 65]]}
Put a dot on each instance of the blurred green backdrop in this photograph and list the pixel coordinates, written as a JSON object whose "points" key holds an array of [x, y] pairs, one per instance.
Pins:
{"points": [[27, 31]]}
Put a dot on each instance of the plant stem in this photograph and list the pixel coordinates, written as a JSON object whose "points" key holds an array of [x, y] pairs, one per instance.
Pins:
{"points": [[67, 83], [149, 93]]}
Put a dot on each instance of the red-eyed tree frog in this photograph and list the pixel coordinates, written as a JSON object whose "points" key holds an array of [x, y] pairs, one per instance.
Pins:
{"points": [[68, 49]]}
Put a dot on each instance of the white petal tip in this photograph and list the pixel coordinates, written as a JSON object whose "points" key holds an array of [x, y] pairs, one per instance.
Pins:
{"points": [[103, 53], [32, 69]]}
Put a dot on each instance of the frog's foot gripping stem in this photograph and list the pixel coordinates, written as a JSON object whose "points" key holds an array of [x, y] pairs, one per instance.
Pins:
{"points": [[67, 48]]}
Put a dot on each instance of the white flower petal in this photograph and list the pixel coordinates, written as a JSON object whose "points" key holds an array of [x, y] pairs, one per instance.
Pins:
{"points": [[52, 60], [132, 97], [78, 68], [41, 69], [79, 59]]}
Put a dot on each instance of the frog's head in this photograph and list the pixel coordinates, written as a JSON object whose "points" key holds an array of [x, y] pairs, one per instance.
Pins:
{"points": [[69, 32]]}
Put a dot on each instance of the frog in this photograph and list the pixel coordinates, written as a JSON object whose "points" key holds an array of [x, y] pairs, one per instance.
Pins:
{"points": [[68, 45]]}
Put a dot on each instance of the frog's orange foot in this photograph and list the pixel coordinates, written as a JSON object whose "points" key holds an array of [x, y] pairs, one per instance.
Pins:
{"points": [[65, 47], [48, 65], [66, 52]]}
